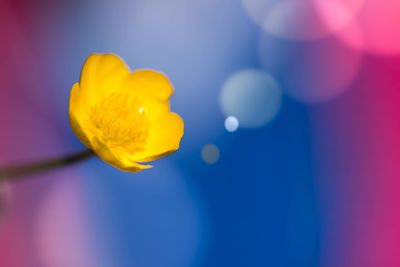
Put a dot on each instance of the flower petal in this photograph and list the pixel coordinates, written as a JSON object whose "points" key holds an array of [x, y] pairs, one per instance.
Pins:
{"points": [[149, 82], [120, 162], [101, 74], [77, 117], [164, 138]]}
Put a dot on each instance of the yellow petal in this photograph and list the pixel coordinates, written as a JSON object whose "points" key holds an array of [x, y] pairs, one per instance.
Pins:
{"points": [[102, 74], [149, 82], [76, 116], [118, 160], [164, 138]]}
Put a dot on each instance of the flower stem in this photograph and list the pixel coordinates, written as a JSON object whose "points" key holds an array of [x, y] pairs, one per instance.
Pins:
{"points": [[18, 171]]}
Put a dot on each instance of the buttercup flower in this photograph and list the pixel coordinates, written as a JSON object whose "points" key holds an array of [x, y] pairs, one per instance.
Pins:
{"points": [[124, 116]]}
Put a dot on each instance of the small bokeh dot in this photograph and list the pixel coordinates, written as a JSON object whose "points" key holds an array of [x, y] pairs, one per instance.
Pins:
{"points": [[210, 154], [231, 124]]}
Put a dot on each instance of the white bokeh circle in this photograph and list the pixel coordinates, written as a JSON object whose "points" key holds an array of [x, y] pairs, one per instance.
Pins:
{"points": [[252, 96], [231, 124]]}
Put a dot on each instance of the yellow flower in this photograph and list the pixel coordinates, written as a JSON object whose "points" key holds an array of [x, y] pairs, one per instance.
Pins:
{"points": [[124, 116]]}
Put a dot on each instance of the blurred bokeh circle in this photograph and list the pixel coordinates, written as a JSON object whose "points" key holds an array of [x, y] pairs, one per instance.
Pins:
{"points": [[252, 96], [231, 124], [379, 25], [63, 232], [210, 154], [302, 20], [314, 71]]}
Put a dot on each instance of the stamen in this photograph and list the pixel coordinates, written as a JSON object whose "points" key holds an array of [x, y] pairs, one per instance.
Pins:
{"points": [[120, 121]]}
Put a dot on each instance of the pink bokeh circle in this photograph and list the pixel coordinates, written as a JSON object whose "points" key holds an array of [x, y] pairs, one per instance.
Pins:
{"points": [[378, 22], [302, 20], [311, 72]]}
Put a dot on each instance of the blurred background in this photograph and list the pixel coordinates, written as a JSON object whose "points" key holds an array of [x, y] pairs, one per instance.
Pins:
{"points": [[291, 147]]}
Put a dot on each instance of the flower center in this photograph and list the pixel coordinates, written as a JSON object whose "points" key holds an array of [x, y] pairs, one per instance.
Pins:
{"points": [[120, 121]]}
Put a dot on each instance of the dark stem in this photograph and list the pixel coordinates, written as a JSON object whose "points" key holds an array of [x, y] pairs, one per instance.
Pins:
{"points": [[18, 171]]}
